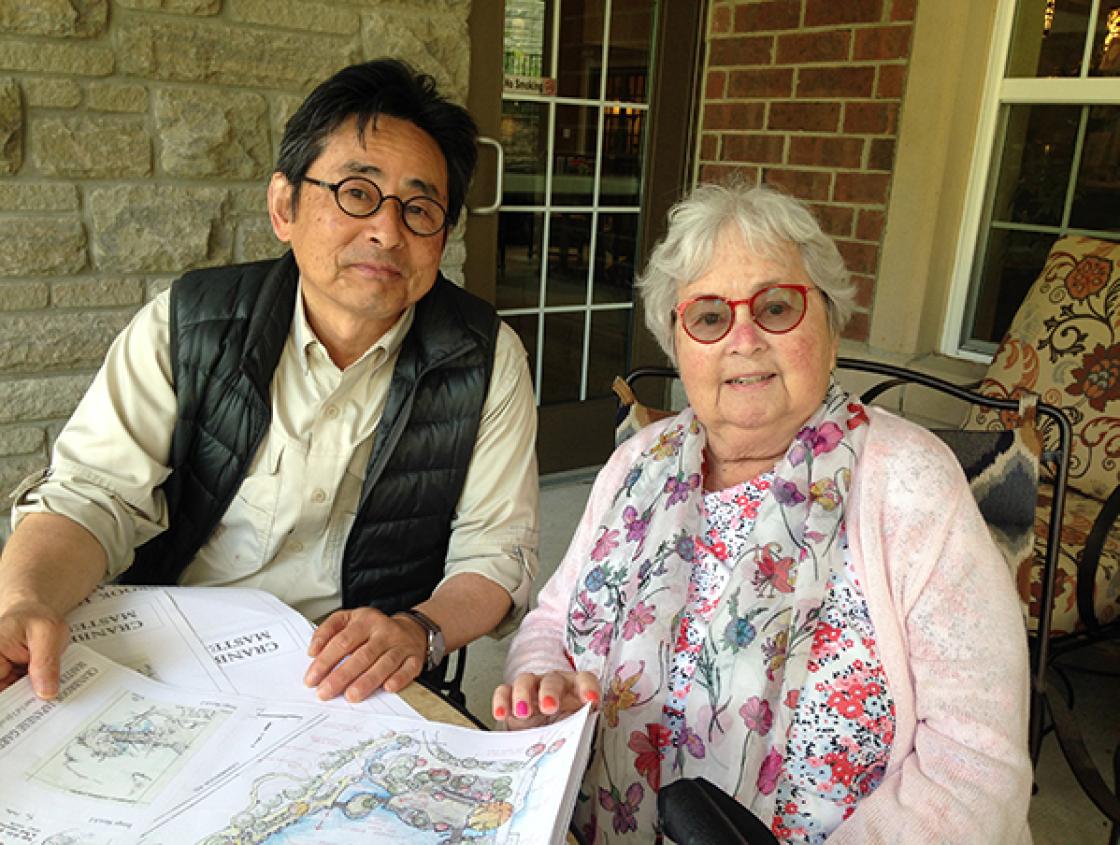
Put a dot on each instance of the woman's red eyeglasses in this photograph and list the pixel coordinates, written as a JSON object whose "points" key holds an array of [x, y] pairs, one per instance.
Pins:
{"points": [[776, 309]]}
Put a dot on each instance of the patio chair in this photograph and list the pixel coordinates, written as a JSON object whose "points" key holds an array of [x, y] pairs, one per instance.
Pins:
{"points": [[1002, 462], [447, 680], [1064, 346]]}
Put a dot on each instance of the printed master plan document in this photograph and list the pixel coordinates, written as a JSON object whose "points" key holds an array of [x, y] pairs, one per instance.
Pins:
{"points": [[120, 758], [214, 639], [89, 766], [145, 630]]}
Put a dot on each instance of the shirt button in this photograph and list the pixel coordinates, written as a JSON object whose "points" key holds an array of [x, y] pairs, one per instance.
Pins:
{"points": [[295, 547], [332, 411], [318, 495]]}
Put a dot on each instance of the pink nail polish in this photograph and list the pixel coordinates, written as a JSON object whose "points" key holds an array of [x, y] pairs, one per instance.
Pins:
{"points": [[499, 713], [521, 709], [592, 696], [548, 703]]}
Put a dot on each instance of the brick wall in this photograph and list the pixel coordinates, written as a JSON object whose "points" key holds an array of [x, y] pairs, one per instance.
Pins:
{"points": [[136, 140], [805, 94]]}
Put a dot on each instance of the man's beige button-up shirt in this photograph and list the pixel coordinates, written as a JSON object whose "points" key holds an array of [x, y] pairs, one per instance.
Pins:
{"points": [[286, 529]]}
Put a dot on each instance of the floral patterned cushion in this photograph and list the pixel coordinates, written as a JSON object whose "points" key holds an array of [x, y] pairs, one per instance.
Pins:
{"points": [[1080, 512], [1064, 346]]}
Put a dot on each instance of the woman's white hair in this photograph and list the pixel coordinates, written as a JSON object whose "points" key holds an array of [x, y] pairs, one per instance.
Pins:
{"points": [[766, 219]]}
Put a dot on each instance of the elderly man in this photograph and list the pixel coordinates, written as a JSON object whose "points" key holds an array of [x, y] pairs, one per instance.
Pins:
{"points": [[342, 427]]}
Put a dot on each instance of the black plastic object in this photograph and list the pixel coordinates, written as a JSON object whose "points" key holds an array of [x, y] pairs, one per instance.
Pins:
{"points": [[694, 811]]}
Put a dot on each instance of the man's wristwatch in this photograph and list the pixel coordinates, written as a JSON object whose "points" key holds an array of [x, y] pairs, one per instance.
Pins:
{"points": [[437, 649]]}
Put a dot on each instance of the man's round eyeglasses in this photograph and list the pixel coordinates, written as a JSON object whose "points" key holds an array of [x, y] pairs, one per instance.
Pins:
{"points": [[776, 309], [360, 197]]}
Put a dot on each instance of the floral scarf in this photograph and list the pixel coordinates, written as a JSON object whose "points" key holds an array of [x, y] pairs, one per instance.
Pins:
{"points": [[626, 612]]}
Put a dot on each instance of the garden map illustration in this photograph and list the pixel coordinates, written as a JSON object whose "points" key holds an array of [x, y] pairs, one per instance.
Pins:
{"points": [[119, 757]]}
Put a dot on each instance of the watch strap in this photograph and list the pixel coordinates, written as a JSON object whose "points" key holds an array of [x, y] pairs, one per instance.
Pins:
{"points": [[430, 628]]}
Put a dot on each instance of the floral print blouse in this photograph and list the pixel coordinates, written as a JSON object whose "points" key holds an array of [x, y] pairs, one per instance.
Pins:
{"points": [[841, 736]]}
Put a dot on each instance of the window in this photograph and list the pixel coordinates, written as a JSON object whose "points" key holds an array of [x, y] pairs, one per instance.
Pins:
{"points": [[1047, 159]]}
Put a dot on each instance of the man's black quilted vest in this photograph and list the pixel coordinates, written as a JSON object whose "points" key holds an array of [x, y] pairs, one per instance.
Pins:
{"points": [[228, 327]]}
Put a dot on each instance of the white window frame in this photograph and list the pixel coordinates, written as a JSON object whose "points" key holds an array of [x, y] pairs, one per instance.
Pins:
{"points": [[999, 91]]}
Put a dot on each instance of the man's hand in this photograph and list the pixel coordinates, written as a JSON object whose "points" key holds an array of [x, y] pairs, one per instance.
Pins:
{"points": [[533, 700], [32, 639], [361, 650], [49, 564]]}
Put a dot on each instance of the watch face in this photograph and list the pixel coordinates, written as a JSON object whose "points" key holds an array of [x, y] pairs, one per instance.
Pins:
{"points": [[437, 650]]}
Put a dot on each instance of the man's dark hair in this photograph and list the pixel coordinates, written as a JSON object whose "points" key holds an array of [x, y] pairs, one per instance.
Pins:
{"points": [[364, 91]]}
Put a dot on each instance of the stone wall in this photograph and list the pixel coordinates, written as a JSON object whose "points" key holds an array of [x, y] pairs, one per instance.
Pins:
{"points": [[136, 140], [805, 94]]}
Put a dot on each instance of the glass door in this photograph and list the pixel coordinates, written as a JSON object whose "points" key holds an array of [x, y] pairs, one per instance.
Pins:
{"points": [[573, 126], [593, 102]]}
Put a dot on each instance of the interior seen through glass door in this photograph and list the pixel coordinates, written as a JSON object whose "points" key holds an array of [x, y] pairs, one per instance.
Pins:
{"points": [[573, 127]]}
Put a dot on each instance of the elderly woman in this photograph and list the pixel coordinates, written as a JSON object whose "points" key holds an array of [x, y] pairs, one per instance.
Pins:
{"points": [[779, 589]]}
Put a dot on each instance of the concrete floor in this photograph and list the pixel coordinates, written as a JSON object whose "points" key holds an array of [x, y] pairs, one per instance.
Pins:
{"points": [[1060, 813], [563, 496]]}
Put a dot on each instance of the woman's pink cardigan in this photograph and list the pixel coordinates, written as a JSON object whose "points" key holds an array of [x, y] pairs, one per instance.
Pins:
{"points": [[948, 627]]}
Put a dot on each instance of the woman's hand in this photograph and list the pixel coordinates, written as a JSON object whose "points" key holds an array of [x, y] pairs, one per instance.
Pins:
{"points": [[533, 700]]}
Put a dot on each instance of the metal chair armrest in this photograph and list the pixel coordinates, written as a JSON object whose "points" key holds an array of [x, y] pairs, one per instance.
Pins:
{"points": [[1091, 557], [458, 703], [447, 681], [646, 372]]}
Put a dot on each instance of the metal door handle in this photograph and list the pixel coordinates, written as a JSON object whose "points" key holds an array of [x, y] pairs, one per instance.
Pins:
{"points": [[493, 207]]}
